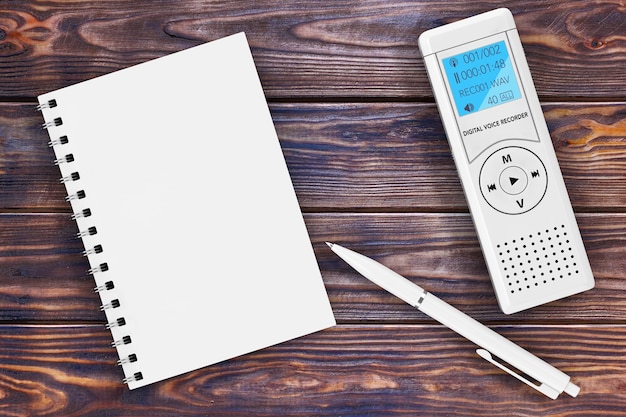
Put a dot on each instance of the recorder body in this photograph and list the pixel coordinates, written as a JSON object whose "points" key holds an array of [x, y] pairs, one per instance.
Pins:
{"points": [[506, 161]]}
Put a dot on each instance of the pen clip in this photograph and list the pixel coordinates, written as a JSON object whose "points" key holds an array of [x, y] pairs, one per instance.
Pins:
{"points": [[543, 388]]}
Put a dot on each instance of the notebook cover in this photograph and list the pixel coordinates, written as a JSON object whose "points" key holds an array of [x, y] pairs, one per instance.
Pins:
{"points": [[201, 233]]}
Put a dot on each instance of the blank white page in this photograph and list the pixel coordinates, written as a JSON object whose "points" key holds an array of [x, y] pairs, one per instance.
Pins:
{"points": [[194, 208]]}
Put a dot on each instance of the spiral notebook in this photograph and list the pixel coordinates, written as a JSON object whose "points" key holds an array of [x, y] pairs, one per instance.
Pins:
{"points": [[186, 209]]}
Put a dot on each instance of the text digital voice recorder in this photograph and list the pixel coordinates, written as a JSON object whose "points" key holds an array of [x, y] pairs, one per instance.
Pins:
{"points": [[505, 159]]}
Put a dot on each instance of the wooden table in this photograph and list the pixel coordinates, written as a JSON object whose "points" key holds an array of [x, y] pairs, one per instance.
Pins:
{"points": [[372, 169]]}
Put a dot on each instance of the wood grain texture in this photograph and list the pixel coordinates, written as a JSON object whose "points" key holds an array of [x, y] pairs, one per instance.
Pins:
{"points": [[43, 276], [396, 157], [372, 170], [352, 48], [359, 156], [442, 254], [28, 176], [398, 370]]}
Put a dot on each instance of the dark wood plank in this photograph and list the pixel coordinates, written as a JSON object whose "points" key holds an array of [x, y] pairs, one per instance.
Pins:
{"points": [[28, 176], [42, 272], [332, 49], [441, 253], [396, 157], [367, 156], [43, 276], [344, 371]]}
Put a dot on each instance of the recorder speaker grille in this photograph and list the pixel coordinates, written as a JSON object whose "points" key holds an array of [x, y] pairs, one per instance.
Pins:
{"points": [[537, 260]]}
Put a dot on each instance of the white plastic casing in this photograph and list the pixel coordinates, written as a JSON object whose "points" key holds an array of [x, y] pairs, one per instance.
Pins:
{"points": [[505, 160]]}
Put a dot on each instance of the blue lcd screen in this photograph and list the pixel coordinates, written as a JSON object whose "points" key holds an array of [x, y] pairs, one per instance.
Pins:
{"points": [[481, 78]]}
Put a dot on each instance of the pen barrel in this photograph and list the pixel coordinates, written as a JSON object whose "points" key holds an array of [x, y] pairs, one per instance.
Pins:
{"points": [[491, 341]]}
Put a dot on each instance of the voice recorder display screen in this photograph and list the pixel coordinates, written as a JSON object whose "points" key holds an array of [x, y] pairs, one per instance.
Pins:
{"points": [[481, 78]]}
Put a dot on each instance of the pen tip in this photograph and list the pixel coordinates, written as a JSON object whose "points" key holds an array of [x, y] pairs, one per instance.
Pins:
{"points": [[330, 245]]}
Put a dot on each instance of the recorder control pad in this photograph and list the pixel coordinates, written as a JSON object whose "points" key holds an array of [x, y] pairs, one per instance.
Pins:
{"points": [[513, 180]]}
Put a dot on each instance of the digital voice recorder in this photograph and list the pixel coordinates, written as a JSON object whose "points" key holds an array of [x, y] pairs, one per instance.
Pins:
{"points": [[505, 160]]}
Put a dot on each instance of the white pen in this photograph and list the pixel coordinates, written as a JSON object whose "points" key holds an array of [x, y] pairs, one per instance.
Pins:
{"points": [[550, 381]]}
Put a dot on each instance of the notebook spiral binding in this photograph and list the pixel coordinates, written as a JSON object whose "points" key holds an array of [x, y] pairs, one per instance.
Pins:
{"points": [[75, 198]]}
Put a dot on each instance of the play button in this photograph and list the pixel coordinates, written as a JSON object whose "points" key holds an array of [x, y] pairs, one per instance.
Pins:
{"points": [[513, 180]]}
